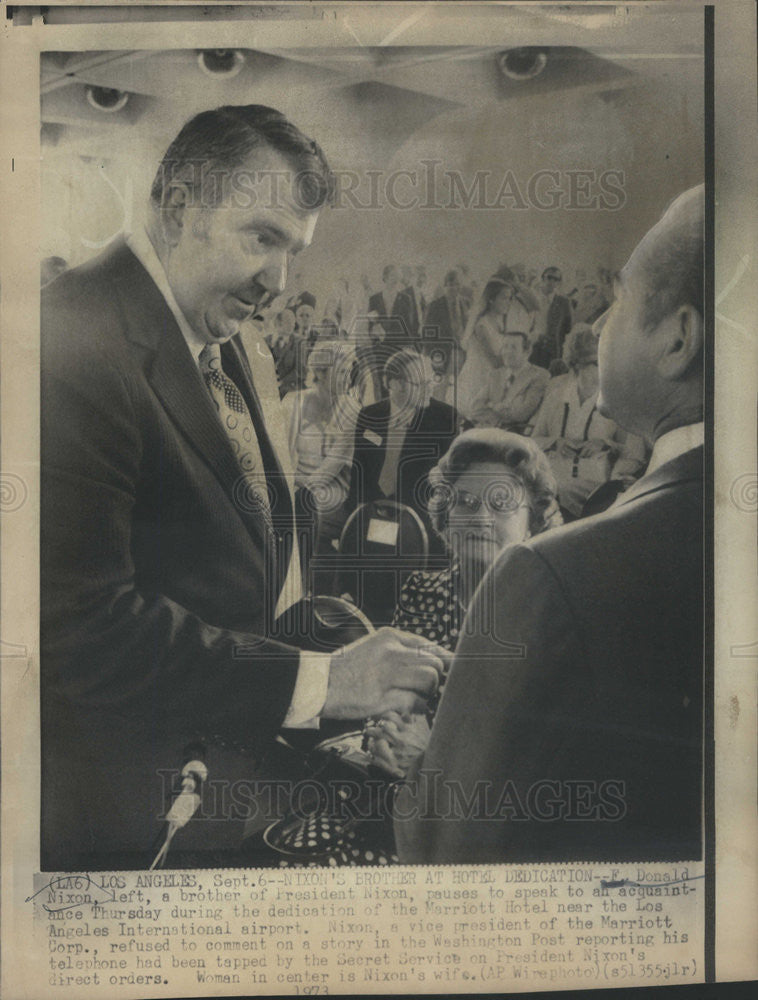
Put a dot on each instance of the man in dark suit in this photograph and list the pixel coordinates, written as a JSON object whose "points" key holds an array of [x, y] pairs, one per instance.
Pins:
{"points": [[389, 309], [383, 302], [166, 517], [552, 321], [289, 353], [570, 727], [444, 326], [399, 439], [410, 304]]}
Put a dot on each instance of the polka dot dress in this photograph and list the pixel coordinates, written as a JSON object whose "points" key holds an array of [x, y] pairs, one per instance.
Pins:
{"points": [[429, 606]]}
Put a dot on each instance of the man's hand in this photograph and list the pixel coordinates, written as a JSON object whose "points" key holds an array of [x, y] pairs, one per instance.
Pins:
{"points": [[395, 741], [386, 671]]}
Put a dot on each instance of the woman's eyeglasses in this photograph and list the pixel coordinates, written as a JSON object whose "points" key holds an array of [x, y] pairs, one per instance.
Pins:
{"points": [[499, 498]]}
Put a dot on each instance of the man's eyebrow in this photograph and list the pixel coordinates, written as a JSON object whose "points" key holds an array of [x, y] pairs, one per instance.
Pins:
{"points": [[271, 229]]}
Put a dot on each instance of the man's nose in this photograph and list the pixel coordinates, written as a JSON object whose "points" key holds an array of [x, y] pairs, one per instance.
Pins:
{"points": [[273, 277]]}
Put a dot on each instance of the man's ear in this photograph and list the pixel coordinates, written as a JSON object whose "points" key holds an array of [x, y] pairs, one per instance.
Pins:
{"points": [[176, 198], [682, 342]]}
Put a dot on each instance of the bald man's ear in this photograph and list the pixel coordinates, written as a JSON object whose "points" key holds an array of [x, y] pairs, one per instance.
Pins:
{"points": [[681, 336], [176, 198]]}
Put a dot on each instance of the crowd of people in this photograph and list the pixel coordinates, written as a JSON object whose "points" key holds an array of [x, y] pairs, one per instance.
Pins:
{"points": [[511, 353]]}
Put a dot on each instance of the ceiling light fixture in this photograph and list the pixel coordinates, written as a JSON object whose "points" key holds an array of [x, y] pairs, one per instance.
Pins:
{"points": [[107, 99], [220, 62], [524, 63]]}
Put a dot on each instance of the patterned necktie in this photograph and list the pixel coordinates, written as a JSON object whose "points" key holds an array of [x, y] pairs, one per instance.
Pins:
{"points": [[235, 417]]}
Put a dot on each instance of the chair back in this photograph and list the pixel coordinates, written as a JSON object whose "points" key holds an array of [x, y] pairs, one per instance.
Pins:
{"points": [[381, 544]]}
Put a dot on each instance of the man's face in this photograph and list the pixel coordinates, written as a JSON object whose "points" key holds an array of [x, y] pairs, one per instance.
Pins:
{"points": [[225, 262], [407, 276], [513, 352], [520, 271], [420, 276], [626, 354], [304, 316], [391, 278], [550, 282]]}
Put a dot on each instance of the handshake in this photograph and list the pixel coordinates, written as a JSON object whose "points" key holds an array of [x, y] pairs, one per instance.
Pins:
{"points": [[387, 671]]}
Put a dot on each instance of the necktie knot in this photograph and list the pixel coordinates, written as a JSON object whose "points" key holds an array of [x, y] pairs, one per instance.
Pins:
{"points": [[215, 377]]}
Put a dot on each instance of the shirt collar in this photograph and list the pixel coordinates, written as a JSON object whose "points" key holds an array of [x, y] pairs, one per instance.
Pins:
{"points": [[674, 443], [141, 246]]}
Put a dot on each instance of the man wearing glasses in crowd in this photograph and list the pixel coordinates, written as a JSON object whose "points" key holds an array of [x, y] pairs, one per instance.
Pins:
{"points": [[552, 321]]}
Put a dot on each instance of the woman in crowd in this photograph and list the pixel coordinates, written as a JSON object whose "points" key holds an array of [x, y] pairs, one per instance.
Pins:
{"points": [[482, 341], [585, 449], [322, 426], [493, 488]]}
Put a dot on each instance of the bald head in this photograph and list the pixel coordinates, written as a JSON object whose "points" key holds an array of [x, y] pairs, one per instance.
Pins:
{"points": [[670, 257], [651, 339]]}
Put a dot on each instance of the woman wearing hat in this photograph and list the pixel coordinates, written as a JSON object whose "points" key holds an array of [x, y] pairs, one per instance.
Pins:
{"points": [[585, 449]]}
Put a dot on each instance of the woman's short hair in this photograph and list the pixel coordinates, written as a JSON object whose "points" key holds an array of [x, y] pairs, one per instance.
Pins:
{"points": [[518, 455]]}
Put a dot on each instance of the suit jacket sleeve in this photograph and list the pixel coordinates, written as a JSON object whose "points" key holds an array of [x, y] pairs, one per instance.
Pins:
{"points": [[507, 709], [528, 402], [108, 644]]}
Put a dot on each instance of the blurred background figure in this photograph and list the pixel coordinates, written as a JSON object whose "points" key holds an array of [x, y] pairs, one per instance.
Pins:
{"points": [[305, 311], [585, 449], [512, 393], [483, 340], [288, 352], [444, 327], [321, 428], [400, 438], [553, 319]]}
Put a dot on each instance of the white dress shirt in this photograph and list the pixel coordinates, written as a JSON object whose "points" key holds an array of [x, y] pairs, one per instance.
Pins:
{"points": [[312, 681]]}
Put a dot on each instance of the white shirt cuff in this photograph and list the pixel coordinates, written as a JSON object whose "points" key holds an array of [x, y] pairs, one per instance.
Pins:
{"points": [[309, 696]]}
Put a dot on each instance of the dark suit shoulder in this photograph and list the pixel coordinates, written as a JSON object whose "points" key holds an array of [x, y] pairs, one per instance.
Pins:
{"points": [[648, 545]]}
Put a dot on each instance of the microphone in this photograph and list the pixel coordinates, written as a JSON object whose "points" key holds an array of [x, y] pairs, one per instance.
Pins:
{"points": [[194, 772], [187, 802]]}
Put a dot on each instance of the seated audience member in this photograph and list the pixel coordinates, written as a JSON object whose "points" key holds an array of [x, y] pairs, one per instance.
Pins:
{"points": [[589, 682], [512, 394], [288, 351], [584, 447], [552, 321], [444, 327], [321, 429], [491, 489], [399, 439]]}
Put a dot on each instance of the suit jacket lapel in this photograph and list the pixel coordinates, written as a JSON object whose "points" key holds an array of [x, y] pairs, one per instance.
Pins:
{"points": [[175, 377]]}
